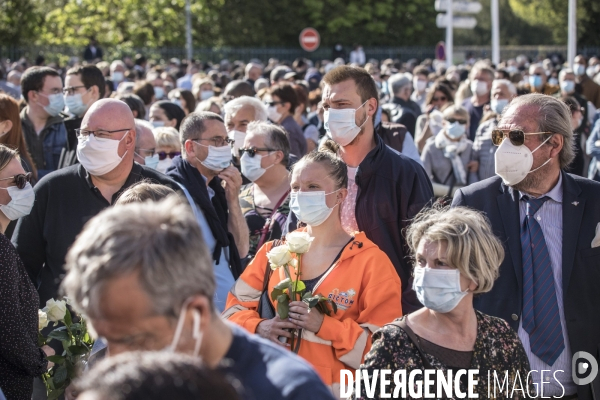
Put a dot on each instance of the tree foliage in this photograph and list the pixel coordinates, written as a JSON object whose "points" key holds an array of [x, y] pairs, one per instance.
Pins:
{"points": [[19, 20]]}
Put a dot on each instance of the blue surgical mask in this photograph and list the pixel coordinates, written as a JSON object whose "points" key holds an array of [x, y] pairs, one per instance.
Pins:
{"points": [[310, 207], [151, 161], [158, 124], [568, 86], [497, 105], [159, 92], [75, 104], [438, 289], [455, 130], [535, 81], [579, 69], [553, 81], [56, 103]]}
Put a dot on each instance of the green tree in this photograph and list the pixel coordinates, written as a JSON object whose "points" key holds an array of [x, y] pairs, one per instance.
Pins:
{"points": [[19, 20]]}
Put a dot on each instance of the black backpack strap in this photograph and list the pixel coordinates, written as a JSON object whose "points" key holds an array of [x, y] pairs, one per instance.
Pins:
{"points": [[413, 338]]}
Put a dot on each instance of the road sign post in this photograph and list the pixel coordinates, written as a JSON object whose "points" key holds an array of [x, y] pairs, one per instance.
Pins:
{"points": [[310, 39]]}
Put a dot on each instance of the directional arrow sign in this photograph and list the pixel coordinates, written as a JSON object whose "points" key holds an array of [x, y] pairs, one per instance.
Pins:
{"points": [[467, 7], [457, 22]]}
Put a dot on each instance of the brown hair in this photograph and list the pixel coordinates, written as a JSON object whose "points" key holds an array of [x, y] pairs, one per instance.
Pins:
{"points": [[287, 94], [33, 79], [90, 75], [365, 85], [14, 139], [144, 191], [145, 91], [6, 156], [439, 87]]}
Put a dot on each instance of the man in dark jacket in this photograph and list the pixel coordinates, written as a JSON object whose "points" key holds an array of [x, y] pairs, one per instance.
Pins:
{"points": [[404, 111], [385, 189]]}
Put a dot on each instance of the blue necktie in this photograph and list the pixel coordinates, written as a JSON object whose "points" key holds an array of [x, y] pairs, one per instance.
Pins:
{"points": [[541, 318]]}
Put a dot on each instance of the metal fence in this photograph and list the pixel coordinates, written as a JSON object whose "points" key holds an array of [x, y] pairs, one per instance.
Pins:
{"points": [[62, 54]]}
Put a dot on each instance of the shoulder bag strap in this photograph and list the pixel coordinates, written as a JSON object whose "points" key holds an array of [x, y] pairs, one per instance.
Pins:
{"points": [[269, 222], [411, 335]]}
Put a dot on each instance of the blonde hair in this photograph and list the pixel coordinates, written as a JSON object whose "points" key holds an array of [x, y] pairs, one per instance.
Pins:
{"points": [[144, 191], [473, 248], [166, 137], [456, 109]]}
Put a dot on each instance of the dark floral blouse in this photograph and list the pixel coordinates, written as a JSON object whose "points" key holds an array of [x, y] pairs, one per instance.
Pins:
{"points": [[497, 348], [256, 222]]}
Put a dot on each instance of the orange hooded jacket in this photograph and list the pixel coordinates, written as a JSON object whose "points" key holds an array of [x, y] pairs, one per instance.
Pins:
{"points": [[364, 285]]}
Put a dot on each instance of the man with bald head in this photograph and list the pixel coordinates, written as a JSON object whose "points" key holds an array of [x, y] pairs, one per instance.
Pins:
{"points": [[66, 199], [145, 144]]}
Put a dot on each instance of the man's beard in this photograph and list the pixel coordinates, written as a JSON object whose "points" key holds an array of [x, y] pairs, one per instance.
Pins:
{"points": [[532, 180]]}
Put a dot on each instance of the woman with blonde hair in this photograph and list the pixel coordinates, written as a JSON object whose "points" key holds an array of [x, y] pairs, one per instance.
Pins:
{"points": [[457, 256]]}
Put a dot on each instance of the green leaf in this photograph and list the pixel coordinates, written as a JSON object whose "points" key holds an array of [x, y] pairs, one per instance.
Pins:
{"points": [[276, 293], [307, 295], [283, 306], [55, 394], [284, 284], [56, 359], [58, 334], [41, 340], [68, 320], [299, 286], [78, 350], [60, 375]]}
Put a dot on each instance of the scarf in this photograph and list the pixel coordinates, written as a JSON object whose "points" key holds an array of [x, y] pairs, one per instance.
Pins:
{"points": [[452, 151]]}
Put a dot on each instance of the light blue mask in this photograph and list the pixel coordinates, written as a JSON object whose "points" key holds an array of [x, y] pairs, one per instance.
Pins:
{"points": [[497, 105], [56, 103], [438, 289], [568, 86], [310, 207], [535, 81], [151, 161], [455, 130]]}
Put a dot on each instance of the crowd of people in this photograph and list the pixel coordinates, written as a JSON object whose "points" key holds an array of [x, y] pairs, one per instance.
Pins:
{"points": [[453, 216]]}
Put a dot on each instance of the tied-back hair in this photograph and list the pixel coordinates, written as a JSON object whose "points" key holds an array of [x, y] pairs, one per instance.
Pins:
{"points": [[472, 247], [327, 156]]}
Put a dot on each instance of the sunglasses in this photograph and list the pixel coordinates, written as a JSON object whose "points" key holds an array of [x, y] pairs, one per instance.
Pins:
{"points": [[439, 99], [162, 154], [20, 180], [272, 103], [516, 136], [252, 150], [453, 120]]}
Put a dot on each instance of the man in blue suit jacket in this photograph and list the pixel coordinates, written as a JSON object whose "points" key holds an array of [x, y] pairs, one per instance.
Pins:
{"points": [[532, 197]]}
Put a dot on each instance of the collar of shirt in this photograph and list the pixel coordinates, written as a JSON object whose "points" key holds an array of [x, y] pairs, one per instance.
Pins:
{"points": [[211, 192], [135, 172], [556, 193]]}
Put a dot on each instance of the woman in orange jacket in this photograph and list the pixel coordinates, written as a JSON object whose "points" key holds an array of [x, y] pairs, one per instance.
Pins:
{"points": [[350, 270]]}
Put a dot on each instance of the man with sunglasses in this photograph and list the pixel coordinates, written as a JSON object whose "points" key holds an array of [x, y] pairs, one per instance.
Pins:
{"points": [[548, 284], [66, 199], [204, 169]]}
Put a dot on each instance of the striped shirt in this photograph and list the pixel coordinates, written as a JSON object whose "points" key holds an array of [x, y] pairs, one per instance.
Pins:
{"points": [[549, 216]]}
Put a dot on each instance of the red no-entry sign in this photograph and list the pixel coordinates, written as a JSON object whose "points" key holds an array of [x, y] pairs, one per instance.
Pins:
{"points": [[310, 39]]}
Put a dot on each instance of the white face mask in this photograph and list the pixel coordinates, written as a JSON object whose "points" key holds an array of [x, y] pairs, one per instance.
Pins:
{"points": [[513, 163], [579, 69], [420, 85], [272, 114], [310, 207], [497, 105], [479, 87], [159, 92], [75, 104], [456, 130], [251, 166], [196, 332], [341, 124], [117, 77], [218, 158], [438, 289], [238, 138], [21, 202], [99, 156], [163, 165], [158, 124], [206, 94]]}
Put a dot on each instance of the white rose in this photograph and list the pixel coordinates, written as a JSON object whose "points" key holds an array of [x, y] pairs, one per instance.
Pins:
{"points": [[56, 310], [299, 242], [42, 320], [279, 256]]}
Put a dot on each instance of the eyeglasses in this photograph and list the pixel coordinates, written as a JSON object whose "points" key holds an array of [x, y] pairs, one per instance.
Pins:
{"points": [[163, 154], [20, 180], [516, 136], [439, 99], [252, 150], [453, 120], [144, 152], [272, 103], [71, 90], [218, 141], [101, 133]]}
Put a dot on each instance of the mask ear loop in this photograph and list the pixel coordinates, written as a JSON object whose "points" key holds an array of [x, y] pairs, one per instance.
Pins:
{"points": [[544, 142], [197, 333], [179, 327]]}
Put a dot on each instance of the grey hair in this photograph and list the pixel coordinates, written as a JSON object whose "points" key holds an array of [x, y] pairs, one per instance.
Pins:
{"points": [[161, 241], [251, 65], [260, 111], [563, 72], [505, 82], [455, 109], [481, 67], [275, 137], [552, 116], [139, 124], [472, 247], [193, 126], [398, 81], [117, 63]]}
